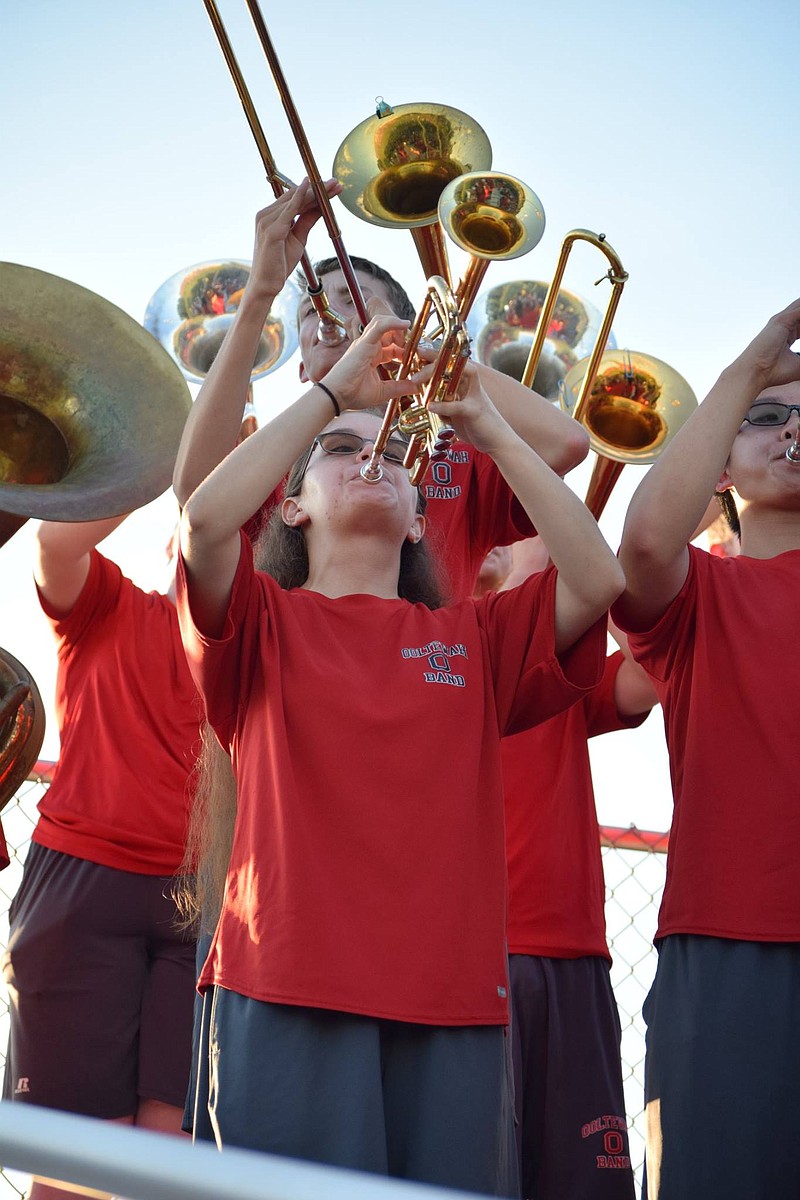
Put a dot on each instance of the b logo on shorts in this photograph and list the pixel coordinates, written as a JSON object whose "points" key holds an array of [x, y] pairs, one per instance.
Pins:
{"points": [[23, 1085]]}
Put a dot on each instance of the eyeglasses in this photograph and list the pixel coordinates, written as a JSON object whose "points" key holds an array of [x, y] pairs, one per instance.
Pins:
{"points": [[345, 443], [771, 412]]}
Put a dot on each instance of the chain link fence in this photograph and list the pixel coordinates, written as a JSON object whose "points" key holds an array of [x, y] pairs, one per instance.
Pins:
{"points": [[634, 862]]}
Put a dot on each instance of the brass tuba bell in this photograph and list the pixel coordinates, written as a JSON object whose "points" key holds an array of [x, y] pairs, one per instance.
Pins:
{"points": [[91, 408]]}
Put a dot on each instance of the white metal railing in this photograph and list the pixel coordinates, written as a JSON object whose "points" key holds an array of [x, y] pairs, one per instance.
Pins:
{"points": [[153, 1166]]}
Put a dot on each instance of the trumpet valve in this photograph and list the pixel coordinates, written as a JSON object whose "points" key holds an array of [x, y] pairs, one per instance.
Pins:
{"points": [[793, 451], [414, 420], [442, 444]]}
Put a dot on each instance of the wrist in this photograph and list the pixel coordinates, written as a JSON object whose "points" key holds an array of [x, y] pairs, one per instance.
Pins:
{"points": [[748, 377], [257, 299]]}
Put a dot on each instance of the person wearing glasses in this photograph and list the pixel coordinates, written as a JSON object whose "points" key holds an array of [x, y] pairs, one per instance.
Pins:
{"points": [[717, 634], [357, 980], [470, 507]]}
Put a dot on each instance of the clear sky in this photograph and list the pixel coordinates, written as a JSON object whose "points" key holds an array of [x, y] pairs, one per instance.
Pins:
{"points": [[672, 128]]}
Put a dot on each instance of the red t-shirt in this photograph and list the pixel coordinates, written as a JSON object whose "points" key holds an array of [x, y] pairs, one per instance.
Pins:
{"points": [[471, 509], [129, 716], [722, 661], [556, 902], [368, 865]]}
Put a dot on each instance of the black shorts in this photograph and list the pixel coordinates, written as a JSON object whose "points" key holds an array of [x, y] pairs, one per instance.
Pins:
{"points": [[571, 1127], [101, 986], [418, 1102], [722, 1072]]}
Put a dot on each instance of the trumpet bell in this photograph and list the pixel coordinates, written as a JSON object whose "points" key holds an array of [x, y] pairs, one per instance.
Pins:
{"points": [[192, 311], [503, 322], [91, 408], [634, 408], [394, 166], [22, 723]]}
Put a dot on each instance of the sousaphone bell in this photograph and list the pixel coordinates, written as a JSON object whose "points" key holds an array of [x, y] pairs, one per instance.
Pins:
{"points": [[91, 407]]}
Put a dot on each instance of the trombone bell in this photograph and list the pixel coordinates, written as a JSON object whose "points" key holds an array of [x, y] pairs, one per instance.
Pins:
{"points": [[635, 406]]}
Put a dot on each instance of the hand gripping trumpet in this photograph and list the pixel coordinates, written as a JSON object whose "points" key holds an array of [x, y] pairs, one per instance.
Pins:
{"points": [[430, 437]]}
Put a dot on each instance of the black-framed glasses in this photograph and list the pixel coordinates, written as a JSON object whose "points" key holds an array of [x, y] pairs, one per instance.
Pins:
{"points": [[343, 442], [770, 413]]}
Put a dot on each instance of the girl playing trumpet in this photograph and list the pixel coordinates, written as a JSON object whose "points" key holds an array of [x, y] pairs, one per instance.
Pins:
{"points": [[357, 976]]}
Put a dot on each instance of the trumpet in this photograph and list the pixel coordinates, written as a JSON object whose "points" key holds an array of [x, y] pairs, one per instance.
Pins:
{"points": [[491, 216], [430, 437]]}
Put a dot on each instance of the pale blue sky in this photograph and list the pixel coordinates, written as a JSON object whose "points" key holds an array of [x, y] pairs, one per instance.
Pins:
{"points": [[671, 128]]}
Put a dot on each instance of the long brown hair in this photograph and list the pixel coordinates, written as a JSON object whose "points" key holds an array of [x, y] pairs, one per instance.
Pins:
{"points": [[280, 552]]}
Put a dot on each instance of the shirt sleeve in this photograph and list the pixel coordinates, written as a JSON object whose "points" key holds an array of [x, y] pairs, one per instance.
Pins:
{"points": [[602, 714], [531, 681], [222, 667], [662, 647], [97, 602]]}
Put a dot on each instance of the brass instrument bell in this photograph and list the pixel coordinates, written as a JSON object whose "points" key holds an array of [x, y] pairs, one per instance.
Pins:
{"points": [[503, 321], [22, 723], [394, 166], [634, 407], [91, 408], [193, 310]]}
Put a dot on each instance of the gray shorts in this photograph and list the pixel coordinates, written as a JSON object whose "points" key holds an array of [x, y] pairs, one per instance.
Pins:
{"points": [[722, 1069], [419, 1102]]}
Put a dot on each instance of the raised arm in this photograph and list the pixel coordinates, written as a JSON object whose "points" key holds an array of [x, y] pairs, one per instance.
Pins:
{"points": [[556, 438], [669, 503], [62, 558], [589, 576], [215, 512], [213, 425]]}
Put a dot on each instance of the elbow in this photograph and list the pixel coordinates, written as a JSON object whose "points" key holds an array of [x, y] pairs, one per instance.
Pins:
{"points": [[643, 550], [609, 586], [181, 485], [197, 524], [573, 448]]}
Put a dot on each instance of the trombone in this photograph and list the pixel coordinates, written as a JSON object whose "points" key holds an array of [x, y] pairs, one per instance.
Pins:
{"points": [[331, 326]]}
